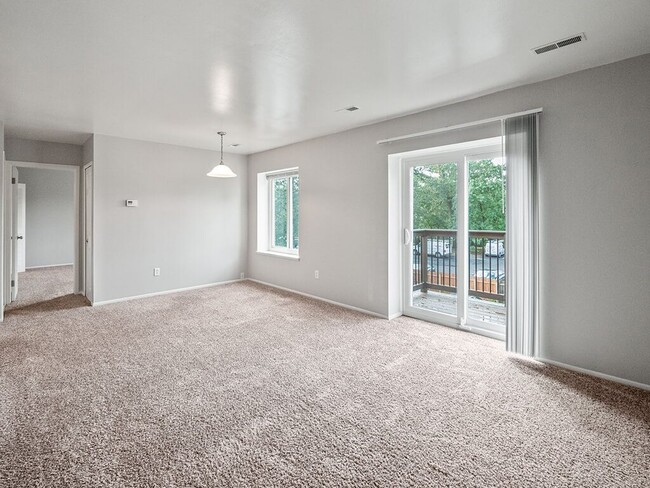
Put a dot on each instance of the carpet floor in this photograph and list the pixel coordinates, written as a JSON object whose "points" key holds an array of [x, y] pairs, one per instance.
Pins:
{"points": [[243, 385], [46, 289]]}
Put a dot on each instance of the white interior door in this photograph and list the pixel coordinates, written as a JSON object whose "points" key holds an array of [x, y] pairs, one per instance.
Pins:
{"points": [[20, 226], [88, 232], [14, 233], [8, 238]]}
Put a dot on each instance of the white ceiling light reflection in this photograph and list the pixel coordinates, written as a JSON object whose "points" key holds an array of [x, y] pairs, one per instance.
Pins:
{"points": [[278, 68], [221, 89]]}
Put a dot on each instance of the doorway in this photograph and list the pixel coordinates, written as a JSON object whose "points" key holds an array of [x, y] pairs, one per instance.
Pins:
{"points": [[42, 264], [453, 215]]}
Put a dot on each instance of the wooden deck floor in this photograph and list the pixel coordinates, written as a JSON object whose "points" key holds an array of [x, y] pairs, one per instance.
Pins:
{"points": [[483, 310]]}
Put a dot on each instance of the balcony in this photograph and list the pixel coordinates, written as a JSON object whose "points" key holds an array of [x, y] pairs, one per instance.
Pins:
{"points": [[434, 273]]}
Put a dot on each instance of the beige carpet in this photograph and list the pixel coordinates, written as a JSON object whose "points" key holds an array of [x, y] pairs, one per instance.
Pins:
{"points": [[242, 385]]}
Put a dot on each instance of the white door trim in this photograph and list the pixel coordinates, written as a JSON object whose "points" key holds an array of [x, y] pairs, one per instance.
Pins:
{"points": [[83, 234], [3, 190], [6, 232], [7, 201]]}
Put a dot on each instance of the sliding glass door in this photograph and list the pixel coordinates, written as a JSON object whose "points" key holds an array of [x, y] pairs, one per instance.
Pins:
{"points": [[433, 226], [454, 237]]}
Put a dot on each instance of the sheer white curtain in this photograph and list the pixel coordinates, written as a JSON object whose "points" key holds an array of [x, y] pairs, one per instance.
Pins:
{"points": [[520, 141]]}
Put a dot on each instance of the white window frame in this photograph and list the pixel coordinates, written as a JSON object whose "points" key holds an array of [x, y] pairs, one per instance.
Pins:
{"points": [[266, 214]]}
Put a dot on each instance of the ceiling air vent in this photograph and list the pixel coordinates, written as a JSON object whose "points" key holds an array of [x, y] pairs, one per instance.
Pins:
{"points": [[348, 109], [561, 43]]}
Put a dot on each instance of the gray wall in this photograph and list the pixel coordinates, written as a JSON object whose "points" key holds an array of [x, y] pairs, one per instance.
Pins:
{"points": [[50, 219], [42, 151], [88, 150], [594, 174], [191, 226]]}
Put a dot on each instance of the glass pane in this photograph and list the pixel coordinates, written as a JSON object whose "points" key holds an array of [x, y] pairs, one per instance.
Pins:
{"points": [[280, 197], [434, 237], [295, 196], [487, 225]]}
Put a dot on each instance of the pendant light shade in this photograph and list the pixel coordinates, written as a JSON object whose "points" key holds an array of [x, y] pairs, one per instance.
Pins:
{"points": [[221, 170]]}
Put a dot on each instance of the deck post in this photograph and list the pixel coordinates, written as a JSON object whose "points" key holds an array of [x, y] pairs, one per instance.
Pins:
{"points": [[424, 262]]}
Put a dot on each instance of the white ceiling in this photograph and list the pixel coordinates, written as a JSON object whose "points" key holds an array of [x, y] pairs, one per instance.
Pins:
{"points": [[274, 72]]}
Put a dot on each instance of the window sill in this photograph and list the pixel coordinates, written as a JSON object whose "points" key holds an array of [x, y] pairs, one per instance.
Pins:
{"points": [[293, 257]]}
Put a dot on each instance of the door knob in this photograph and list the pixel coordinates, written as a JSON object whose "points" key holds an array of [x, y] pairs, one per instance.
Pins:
{"points": [[19, 237]]}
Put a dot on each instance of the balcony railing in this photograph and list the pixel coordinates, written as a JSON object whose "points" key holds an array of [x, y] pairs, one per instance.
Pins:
{"points": [[435, 269]]}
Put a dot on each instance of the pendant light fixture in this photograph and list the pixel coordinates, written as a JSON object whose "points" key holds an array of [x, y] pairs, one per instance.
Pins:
{"points": [[221, 170]]}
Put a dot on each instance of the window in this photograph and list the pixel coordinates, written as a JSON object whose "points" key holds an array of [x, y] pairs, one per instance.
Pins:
{"points": [[285, 191], [278, 212]]}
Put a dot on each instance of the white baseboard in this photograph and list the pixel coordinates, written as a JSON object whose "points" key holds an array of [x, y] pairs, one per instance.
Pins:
{"points": [[49, 266], [332, 302], [395, 315], [596, 374], [165, 292]]}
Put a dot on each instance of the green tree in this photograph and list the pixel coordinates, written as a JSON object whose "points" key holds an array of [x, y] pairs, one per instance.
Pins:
{"points": [[281, 188], [295, 188], [435, 196], [280, 197], [486, 195]]}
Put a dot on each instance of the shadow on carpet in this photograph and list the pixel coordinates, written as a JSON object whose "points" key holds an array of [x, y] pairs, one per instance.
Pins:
{"points": [[623, 399], [65, 302]]}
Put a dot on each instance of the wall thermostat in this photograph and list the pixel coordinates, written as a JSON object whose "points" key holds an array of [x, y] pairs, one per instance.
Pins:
{"points": [[131, 203]]}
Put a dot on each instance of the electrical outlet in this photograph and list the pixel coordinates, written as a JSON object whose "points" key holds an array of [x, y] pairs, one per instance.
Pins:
{"points": [[241, 276], [316, 274], [156, 271]]}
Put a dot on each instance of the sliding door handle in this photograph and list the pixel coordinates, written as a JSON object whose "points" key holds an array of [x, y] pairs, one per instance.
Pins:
{"points": [[19, 237], [407, 237]]}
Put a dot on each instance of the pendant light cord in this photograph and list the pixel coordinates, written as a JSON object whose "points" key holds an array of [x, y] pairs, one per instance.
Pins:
{"points": [[221, 170]]}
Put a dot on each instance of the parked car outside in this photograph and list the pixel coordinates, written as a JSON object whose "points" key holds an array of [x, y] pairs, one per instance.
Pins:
{"points": [[489, 277], [495, 248], [487, 274], [435, 247]]}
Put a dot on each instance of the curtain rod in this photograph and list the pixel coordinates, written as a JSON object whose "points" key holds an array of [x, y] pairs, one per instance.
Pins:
{"points": [[459, 126]]}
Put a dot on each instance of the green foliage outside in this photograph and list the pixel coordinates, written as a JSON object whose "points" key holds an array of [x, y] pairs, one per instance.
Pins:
{"points": [[280, 211], [280, 200], [295, 188], [434, 196], [486, 196]]}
